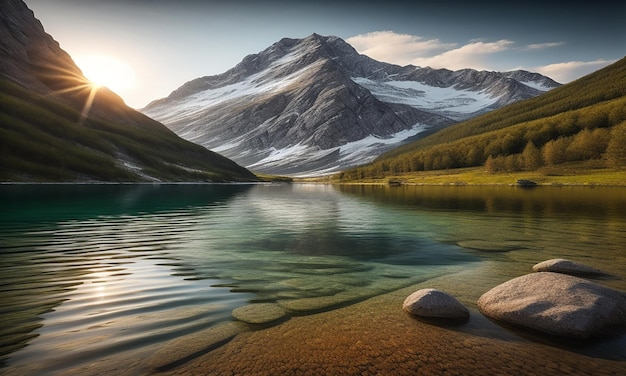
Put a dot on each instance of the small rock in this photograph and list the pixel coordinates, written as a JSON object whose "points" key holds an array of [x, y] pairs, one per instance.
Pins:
{"points": [[259, 313], [434, 303], [564, 266], [526, 183], [556, 304]]}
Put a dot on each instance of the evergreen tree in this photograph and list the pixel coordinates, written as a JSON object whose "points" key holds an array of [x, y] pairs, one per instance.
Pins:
{"points": [[616, 150], [554, 152], [531, 157]]}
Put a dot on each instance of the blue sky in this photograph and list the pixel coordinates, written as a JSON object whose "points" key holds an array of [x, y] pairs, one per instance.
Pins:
{"points": [[167, 43]]}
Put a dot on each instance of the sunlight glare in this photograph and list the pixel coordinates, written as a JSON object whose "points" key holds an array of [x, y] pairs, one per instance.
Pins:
{"points": [[107, 71]]}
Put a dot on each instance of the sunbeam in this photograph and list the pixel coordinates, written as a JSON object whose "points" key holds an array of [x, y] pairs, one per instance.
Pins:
{"points": [[65, 81], [88, 103]]}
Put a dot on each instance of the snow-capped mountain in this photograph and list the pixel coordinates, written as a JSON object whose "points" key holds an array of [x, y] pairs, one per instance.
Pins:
{"points": [[315, 105]]}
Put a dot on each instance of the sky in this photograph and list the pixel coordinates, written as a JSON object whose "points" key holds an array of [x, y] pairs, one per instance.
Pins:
{"points": [[158, 45]]}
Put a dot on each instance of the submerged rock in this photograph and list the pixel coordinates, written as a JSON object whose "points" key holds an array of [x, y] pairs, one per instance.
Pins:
{"points": [[259, 313], [434, 303], [557, 304], [564, 266]]}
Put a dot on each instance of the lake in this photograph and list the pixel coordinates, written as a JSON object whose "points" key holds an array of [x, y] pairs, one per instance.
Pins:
{"points": [[107, 273]]}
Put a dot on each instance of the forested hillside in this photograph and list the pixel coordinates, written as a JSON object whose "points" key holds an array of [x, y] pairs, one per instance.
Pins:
{"points": [[42, 139], [581, 121]]}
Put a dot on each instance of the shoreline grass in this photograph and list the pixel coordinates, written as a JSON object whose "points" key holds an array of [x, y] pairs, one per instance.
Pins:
{"points": [[578, 174]]}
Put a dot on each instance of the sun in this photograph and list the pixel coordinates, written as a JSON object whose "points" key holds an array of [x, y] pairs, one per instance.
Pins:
{"points": [[107, 71]]}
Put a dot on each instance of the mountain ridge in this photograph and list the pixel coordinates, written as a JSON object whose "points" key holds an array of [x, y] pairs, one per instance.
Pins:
{"points": [[315, 105], [57, 126]]}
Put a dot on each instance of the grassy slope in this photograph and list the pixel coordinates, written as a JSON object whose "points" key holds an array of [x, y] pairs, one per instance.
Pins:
{"points": [[42, 139]]}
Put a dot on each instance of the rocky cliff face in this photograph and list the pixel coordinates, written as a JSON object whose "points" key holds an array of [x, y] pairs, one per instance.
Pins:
{"points": [[36, 75], [31, 57], [314, 105]]}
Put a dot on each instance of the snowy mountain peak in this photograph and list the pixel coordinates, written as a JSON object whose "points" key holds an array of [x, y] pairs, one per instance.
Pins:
{"points": [[315, 105]]}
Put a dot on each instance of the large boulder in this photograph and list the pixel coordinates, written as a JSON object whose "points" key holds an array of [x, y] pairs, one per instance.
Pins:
{"points": [[558, 304], [434, 303], [559, 265]]}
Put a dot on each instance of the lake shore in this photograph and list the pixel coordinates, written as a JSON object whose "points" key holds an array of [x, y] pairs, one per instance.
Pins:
{"points": [[373, 337], [571, 174], [376, 337]]}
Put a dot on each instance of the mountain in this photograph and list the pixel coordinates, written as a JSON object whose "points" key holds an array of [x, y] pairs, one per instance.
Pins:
{"points": [[315, 105], [56, 126], [581, 122]]}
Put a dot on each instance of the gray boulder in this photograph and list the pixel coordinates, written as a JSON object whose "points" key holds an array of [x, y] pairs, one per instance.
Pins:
{"points": [[557, 304], [559, 265], [434, 303]]}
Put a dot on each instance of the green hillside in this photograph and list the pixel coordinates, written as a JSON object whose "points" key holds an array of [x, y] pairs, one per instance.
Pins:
{"points": [[44, 139], [583, 121]]}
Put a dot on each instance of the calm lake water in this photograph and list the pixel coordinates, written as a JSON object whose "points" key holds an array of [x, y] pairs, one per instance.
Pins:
{"points": [[91, 272]]}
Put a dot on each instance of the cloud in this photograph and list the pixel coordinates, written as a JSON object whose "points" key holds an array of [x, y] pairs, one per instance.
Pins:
{"points": [[569, 71], [472, 55], [541, 46], [401, 49], [404, 49]]}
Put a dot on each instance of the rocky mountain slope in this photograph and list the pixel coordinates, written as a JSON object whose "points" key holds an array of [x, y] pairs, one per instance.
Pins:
{"points": [[315, 105], [56, 126]]}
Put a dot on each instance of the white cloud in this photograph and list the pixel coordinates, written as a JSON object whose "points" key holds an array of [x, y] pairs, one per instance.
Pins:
{"points": [[472, 55], [404, 49], [569, 71], [401, 49]]}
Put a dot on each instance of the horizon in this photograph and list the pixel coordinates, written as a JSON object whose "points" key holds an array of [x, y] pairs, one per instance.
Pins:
{"points": [[166, 44]]}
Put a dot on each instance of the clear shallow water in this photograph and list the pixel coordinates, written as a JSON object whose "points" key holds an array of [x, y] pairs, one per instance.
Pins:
{"points": [[91, 272]]}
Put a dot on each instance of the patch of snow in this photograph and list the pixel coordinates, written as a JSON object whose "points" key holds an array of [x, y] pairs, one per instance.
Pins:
{"points": [[536, 85], [356, 151], [131, 166], [425, 97], [283, 154], [254, 85], [134, 168], [350, 154], [226, 146]]}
